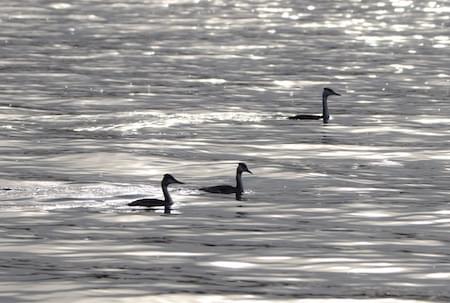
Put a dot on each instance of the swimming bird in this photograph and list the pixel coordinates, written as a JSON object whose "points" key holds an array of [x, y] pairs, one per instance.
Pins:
{"points": [[325, 114], [167, 202], [229, 189]]}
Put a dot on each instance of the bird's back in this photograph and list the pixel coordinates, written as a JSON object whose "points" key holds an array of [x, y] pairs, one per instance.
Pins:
{"points": [[147, 202], [220, 189]]}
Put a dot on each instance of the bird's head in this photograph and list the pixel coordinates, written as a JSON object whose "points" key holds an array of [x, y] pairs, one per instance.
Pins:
{"points": [[169, 179], [242, 167], [329, 92]]}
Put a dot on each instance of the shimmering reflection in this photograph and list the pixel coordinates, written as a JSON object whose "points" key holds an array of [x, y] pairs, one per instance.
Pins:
{"points": [[99, 99]]}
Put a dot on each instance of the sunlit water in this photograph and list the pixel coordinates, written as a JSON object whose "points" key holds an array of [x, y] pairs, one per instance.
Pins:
{"points": [[100, 98]]}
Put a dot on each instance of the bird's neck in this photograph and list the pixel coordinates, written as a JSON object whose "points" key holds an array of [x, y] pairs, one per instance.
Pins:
{"points": [[239, 186], [325, 113], [167, 199]]}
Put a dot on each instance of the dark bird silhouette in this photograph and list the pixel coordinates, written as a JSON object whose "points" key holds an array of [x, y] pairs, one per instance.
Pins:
{"points": [[229, 189], [325, 114], [167, 202]]}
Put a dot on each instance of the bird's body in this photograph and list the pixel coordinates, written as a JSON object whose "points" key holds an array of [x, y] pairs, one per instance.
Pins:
{"points": [[306, 117], [220, 189], [325, 113], [148, 202], [167, 202], [229, 189]]}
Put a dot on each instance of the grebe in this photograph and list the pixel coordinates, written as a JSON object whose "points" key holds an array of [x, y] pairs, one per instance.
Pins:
{"points": [[167, 202], [229, 189], [325, 114]]}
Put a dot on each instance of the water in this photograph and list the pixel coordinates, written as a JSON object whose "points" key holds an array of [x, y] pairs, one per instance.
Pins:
{"points": [[101, 98]]}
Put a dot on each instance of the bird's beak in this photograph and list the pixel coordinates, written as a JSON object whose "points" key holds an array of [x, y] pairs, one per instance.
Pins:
{"points": [[176, 181], [337, 94], [249, 171]]}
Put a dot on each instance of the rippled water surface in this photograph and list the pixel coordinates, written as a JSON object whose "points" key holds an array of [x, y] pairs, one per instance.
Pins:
{"points": [[100, 98]]}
